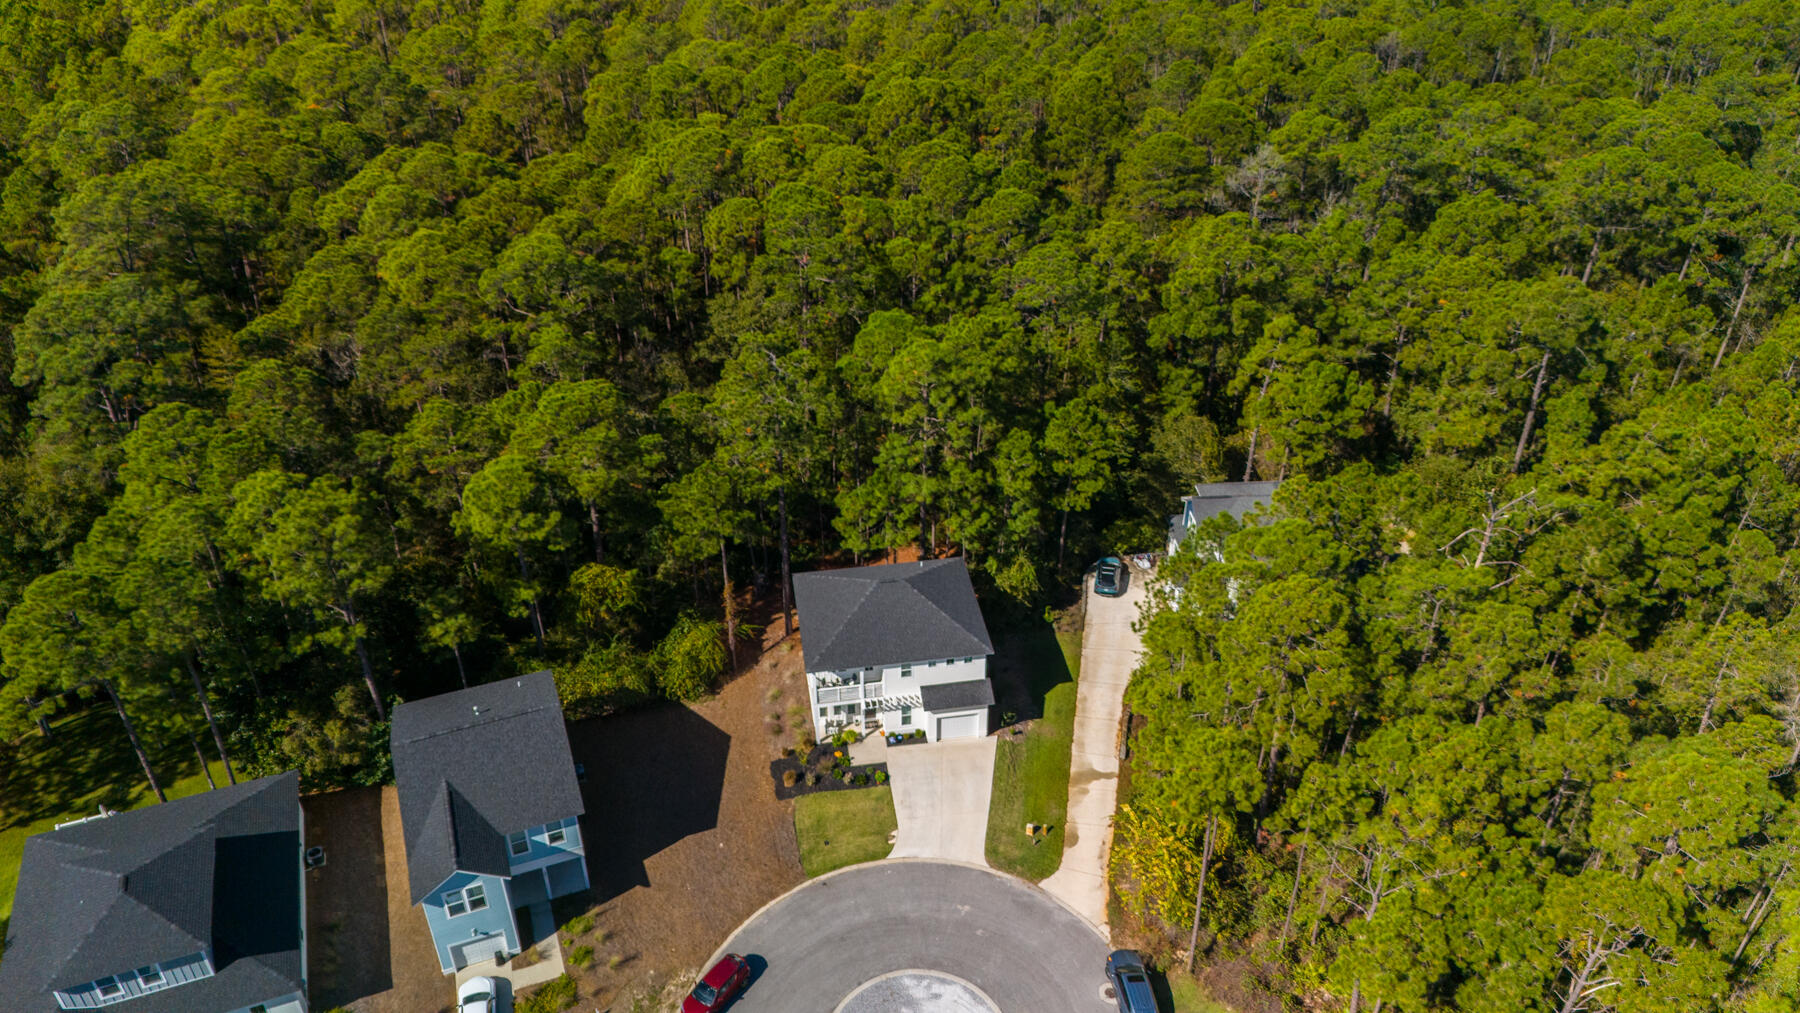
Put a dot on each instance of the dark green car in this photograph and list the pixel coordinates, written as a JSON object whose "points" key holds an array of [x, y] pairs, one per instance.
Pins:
{"points": [[1110, 577]]}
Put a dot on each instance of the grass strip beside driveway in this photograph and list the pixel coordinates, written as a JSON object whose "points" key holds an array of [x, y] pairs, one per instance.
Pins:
{"points": [[1031, 775], [839, 828]]}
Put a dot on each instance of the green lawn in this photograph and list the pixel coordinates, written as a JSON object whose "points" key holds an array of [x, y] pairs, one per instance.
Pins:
{"points": [[85, 762], [839, 828], [1188, 997], [1031, 776]]}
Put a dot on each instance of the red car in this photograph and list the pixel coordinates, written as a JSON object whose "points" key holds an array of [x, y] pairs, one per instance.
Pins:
{"points": [[721, 984]]}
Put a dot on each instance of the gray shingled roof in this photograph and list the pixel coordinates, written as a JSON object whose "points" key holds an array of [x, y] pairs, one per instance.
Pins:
{"points": [[949, 696], [218, 870], [474, 766], [1211, 499], [884, 615]]}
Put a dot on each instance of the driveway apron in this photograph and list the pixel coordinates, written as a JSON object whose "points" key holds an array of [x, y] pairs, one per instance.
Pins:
{"points": [[941, 795]]}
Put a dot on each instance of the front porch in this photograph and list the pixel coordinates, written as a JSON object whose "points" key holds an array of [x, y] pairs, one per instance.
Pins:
{"points": [[868, 715]]}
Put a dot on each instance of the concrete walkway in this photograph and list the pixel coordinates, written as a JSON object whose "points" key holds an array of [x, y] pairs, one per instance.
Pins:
{"points": [[1109, 651], [941, 795]]}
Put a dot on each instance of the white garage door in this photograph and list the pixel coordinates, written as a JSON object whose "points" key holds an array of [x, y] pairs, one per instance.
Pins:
{"points": [[960, 726], [476, 950]]}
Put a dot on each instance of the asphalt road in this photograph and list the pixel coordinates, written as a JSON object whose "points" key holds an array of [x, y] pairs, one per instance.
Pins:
{"points": [[812, 948]]}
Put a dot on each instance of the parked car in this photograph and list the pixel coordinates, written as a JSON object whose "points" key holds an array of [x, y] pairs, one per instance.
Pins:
{"points": [[1110, 577], [726, 979], [1130, 982], [480, 995]]}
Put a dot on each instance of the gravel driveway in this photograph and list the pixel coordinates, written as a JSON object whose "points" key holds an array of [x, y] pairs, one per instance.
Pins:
{"points": [[820, 943]]}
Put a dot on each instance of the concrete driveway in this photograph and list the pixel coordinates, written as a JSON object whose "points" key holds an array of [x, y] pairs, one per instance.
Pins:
{"points": [[1110, 649], [814, 947], [941, 795]]}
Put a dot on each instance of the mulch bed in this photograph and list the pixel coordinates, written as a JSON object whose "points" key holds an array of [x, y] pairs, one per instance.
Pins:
{"points": [[819, 761]]}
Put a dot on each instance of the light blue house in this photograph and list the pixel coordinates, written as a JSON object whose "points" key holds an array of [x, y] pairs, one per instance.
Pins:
{"points": [[490, 808]]}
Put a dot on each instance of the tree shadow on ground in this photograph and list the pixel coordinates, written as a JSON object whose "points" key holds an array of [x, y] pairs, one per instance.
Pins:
{"points": [[87, 757], [654, 776], [1028, 663]]}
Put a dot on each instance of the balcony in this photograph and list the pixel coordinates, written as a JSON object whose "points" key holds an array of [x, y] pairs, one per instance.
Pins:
{"points": [[853, 693]]}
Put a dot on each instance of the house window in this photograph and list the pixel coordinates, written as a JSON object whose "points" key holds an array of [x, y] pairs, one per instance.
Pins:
{"points": [[906, 670], [259, 1008], [519, 843], [557, 835], [109, 988], [823, 711], [905, 716], [461, 902], [150, 977]]}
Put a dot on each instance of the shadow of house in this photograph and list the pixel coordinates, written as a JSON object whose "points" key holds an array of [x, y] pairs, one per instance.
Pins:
{"points": [[347, 909], [1028, 664], [654, 777]]}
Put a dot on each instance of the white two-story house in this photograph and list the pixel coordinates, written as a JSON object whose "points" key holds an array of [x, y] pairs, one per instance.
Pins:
{"points": [[896, 648]]}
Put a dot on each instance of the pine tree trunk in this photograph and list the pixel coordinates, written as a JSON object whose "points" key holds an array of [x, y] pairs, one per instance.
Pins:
{"points": [[137, 746], [460, 673], [368, 670], [205, 768], [1212, 824], [730, 611], [537, 616], [1537, 392], [787, 604], [593, 511], [206, 709], [1287, 920]]}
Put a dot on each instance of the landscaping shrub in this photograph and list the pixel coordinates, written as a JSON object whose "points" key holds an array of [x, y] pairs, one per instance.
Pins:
{"points": [[812, 778], [581, 956], [690, 658], [580, 925], [881, 777], [847, 777], [789, 778], [552, 997]]}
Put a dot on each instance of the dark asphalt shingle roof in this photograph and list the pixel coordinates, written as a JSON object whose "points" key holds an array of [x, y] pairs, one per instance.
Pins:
{"points": [[219, 870], [1211, 499], [949, 696], [884, 615], [474, 766]]}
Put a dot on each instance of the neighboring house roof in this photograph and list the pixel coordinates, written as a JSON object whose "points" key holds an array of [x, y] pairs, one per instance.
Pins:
{"points": [[474, 766], [949, 696], [884, 615], [218, 871], [1210, 499]]}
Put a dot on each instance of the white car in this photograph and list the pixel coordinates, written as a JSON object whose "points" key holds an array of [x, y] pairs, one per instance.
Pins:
{"points": [[481, 995]]}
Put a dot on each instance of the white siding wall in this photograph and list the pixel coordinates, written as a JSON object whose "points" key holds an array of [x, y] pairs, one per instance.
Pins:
{"points": [[896, 682]]}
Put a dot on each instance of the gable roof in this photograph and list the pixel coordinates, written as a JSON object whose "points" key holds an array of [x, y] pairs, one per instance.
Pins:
{"points": [[885, 615], [474, 766], [1210, 499], [218, 871]]}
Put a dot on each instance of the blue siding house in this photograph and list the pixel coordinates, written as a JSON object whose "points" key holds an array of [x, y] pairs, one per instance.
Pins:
{"points": [[491, 813]]}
